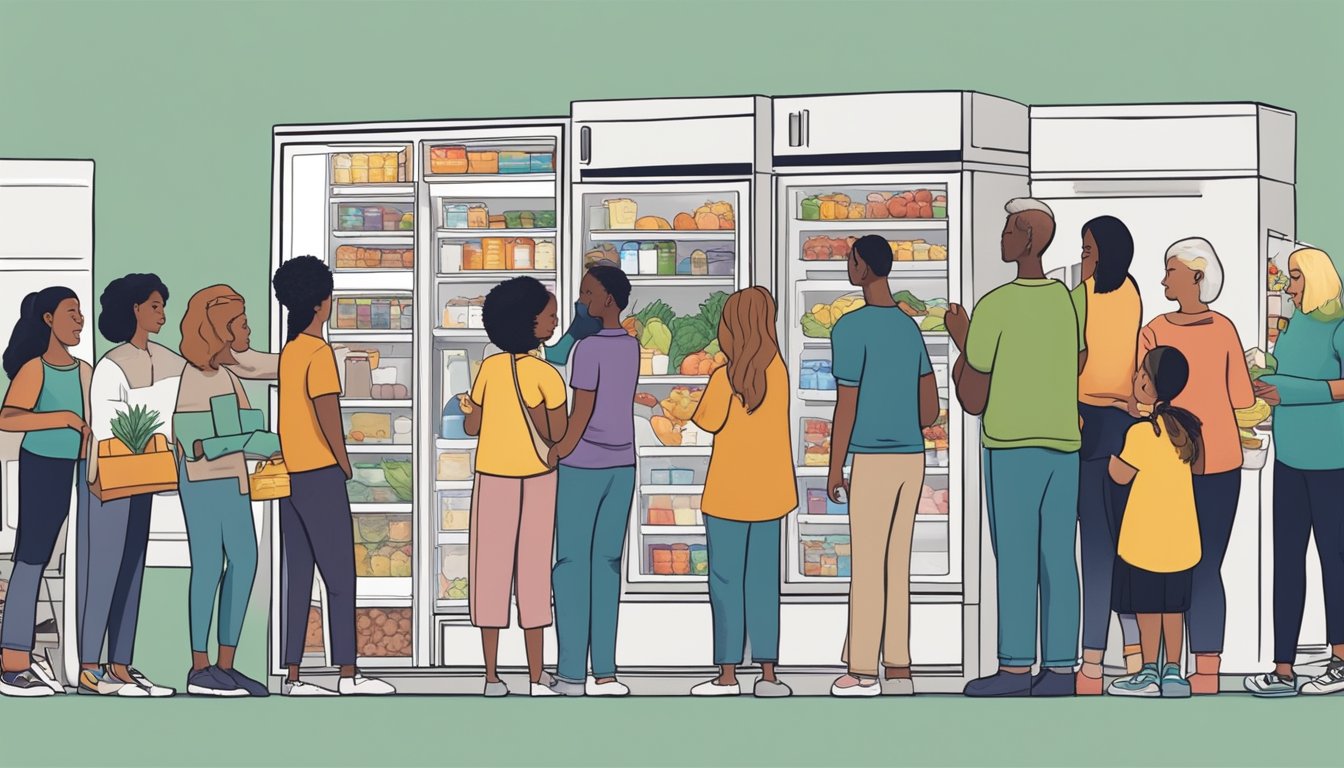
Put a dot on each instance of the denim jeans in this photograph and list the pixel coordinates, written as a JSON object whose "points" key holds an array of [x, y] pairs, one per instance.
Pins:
{"points": [[744, 588]]}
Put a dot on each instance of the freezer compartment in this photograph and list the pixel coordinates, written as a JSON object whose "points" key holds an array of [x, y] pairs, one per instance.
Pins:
{"points": [[374, 371], [373, 312], [465, 257], [453, 576], [347, 257], [668, 510], [649, 213], [675, 555], [383, 545], [663, 414], [874, 202], [816, 381], [823, 303], [462, 213], [380, 480], [373, 217], [455, 510], [383, 632], [389, 166], [391, 426], [652, 260], [491, 157]]}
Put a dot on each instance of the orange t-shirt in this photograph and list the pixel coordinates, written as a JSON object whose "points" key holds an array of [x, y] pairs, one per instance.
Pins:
{"points": [[1219, 381], [1113, 321]]}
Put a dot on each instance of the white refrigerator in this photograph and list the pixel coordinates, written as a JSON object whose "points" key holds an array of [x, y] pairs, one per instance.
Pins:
{"points": [[1224, 172], [930, 173]]}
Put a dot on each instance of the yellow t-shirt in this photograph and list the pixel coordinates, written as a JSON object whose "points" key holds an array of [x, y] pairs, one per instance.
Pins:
{"points": [[307, 372], [1160, 531], [751, 476], [1112, 333], [505, 446]]}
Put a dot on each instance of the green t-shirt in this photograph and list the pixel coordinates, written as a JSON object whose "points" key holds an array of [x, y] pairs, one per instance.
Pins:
{"points": [[1025, 336]]}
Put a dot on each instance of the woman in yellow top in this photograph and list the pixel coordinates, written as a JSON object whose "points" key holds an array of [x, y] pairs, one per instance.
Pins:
{"points": [[1159, 534], [750, 487], [1109, 315]]}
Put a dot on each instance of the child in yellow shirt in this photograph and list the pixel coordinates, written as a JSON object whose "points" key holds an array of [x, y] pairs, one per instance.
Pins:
{"points": [[1159, 532]]}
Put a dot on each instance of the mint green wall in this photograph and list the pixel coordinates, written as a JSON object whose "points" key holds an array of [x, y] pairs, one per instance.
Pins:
{"points": [[175, 101]]}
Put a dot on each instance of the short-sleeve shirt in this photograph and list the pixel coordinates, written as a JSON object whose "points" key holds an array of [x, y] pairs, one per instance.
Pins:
{"points": [[606, 364], [505, 447], [751, 476], [307, 372], [881, 351], [1111, 330], [1025, 336], [1159, 531]]}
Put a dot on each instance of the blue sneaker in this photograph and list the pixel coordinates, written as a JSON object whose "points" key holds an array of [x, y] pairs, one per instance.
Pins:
{"points": [[212, 681], [1146, 684], [252, 687], [1173, 685], [1000, 685], [1050, 682]]}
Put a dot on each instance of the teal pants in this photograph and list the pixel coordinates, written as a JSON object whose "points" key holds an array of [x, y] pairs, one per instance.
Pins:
{"points": [[223, 546], [743, 588], [1032, 497], [592, 510]]}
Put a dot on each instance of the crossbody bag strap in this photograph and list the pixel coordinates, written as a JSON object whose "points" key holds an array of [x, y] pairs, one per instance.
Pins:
{"points": [[539, 445]]}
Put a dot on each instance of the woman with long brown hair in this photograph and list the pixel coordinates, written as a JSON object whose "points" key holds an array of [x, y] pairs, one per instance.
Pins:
{"points": [[750, 487]]}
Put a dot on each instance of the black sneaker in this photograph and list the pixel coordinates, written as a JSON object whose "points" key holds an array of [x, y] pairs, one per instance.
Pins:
{"points": [[244, 682], [25, 684]]}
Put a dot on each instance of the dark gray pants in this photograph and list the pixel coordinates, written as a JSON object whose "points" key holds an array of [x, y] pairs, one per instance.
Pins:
{"points": [[111, 537], [316, 529]]}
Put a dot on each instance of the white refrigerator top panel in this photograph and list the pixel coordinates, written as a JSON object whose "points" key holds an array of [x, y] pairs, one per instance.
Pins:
{"points": [[665, 109], [864, 130], [1163, 140], [668, 138]]}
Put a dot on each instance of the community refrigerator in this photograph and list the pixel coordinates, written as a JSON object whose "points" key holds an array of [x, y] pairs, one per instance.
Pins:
{"points": [[929, 172], [668, 190], [418, 221], [1224, 172]]}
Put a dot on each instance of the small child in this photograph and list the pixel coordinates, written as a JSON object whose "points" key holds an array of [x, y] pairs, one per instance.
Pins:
{"points": [[1159, 532]]}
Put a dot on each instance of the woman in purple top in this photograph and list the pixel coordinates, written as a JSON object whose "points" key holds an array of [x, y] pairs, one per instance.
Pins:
{"points": [[596, 486]]}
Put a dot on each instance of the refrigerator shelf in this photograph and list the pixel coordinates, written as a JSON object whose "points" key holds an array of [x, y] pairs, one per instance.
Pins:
{"points": [[673, 451], [671, 490], [374, 403], [384, 662], [377, 448], [382, 602], [461, 333], [453, 537], [405, 508], [936, 269], [876, 225], [674, 380], [669, 281], [828, 395], [450, 606], [672, 530], [371, 191], [373, 281], [453, 485], [490, 276], [844, 519], [458, 444], [610, 235], [383, 588], [400, 236], [476, 178], [369, 337], [465, 234]]}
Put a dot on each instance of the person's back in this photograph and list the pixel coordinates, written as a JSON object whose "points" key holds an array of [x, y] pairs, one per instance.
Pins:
{"points": [[607, 363], [880, 351]]}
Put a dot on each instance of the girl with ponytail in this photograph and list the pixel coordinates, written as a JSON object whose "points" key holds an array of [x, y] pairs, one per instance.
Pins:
{"points": [[1159, 532]]}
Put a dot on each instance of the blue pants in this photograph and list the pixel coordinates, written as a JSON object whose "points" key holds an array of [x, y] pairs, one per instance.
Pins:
{"points": [[744, 588], [223, 545], [1101, 504], [1032, 497], [591, 516], [112, 538], [1216, 505], [44, 503], [1305, 503]]}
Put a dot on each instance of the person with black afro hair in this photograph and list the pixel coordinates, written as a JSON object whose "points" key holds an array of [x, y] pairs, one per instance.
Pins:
{"points": [[316, 525], [517, 408]]}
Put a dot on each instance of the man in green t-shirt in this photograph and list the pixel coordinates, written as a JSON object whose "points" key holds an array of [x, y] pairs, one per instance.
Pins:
{"points": [[1019, 372]]}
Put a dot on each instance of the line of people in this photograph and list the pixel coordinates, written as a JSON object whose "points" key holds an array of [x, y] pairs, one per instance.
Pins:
{"points": [[1091, 422]]}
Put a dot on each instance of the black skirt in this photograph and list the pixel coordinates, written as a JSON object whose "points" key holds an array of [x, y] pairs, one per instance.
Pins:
{"points": [[1134, 590]]}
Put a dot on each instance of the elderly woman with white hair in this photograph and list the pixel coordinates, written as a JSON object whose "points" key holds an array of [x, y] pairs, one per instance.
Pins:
{"points": [[1307, 393], [1219, 384]]}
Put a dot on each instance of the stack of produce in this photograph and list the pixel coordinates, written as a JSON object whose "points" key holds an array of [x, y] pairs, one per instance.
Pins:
{"points": [[825, 556], [822, 248], [383, 631], [818, 322], [816, 442], [1277, 278], [1250, 418], [913, 204], [677, 410], [935, 437], [382, 545], [689, 342]]}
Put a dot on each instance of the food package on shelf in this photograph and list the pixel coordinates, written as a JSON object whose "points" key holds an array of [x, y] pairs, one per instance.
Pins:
{"points": [[448, 160], [816, 442], [511, 161], [602, 253], [399, 530], [383, 632], [497, 221], [541, 162], [478, 216], [622, 213], [455, 511], [666, 430], [660, 559], [932, 502], [483, 162], [661, 511], [699, 560], [681, 559], [359, 168], [370, 426], [340, 168], [652, 222]]}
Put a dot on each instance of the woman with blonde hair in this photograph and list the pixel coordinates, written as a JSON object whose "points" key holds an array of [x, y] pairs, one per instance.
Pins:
{"points": [[750, 487], [1307, 393], [215, 495]]}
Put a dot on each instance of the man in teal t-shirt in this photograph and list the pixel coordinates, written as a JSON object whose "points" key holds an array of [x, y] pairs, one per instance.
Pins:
{"points": [[1019, 371], [886, 393]]}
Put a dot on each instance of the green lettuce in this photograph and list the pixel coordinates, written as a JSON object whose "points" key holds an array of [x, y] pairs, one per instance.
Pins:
{"points": [[690, 334]]}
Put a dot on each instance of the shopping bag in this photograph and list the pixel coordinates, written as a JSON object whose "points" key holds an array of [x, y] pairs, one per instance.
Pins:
{"points": [[121, 473], [254, 445], [270, 481]]}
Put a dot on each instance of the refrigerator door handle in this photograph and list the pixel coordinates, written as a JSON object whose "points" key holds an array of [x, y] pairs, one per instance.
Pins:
{"points": [[585, 144], [795, 129], [805, 118]]}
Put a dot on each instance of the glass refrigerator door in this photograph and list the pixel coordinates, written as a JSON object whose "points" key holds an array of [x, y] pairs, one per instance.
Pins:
{"points": [[685, 248], [819, 220]]}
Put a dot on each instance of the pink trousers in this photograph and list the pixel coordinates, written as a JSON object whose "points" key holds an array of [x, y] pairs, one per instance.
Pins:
{"points": [[512, 539]]}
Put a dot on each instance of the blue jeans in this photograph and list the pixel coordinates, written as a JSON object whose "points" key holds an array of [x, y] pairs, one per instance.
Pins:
{"points": [[744, 588], [222, 541], [1216, 505], [592, 509], [1032, 497]]}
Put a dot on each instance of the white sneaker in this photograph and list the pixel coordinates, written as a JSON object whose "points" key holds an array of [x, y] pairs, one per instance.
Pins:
{"points": [[109, 685], [41, 666], [544, 687], [1330, 681], [712, 688], [25, 684], [855, 687], [360, 685], [152, 688], [300, 688], [613, 688]]}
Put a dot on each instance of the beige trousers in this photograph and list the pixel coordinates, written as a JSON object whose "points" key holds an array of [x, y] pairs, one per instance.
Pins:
{"points": [[883, 496]]}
